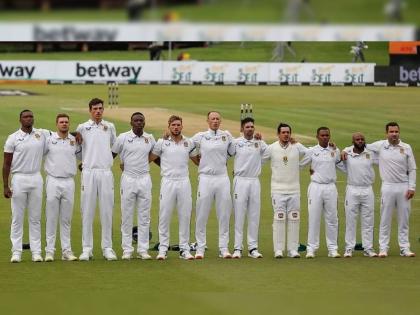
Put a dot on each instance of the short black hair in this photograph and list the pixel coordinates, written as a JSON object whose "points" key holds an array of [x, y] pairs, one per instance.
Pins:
{"points": [[136, 113], [283, 125], [322, 128], [24, 111], [391, 124], [247, 120], [95, 101]]}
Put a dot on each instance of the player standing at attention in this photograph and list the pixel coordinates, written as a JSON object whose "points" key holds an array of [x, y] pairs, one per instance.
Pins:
{"points": [[246, 187], [175, 187], [359, 195], [134, 148], [23, 152], [322, 193], [285, 191], [97, 179], [397, 168], [60, 165], [214, 183]]}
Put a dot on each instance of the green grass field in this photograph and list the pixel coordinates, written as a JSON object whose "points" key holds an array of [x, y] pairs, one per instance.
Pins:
{"points": [[225, 51], [342, 11], [215, 286]]}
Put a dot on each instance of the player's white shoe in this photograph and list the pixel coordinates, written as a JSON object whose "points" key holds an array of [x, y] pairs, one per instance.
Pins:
{"points": [[186, 255], [199, 254], [162, 255], [278, 254], [369, 253], [383, 254], [49, 257], [127, 255], [293, 254], [348, 253], [85, 256], [225, 254], [237, 254], [16, 257], [406, 252], [310, 254], [254, 253], [37, 258], [333, 254], [68, 256], [109, 254], [144, 255]]}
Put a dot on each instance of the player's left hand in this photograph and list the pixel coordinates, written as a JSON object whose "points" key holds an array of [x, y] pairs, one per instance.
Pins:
{"points": [[258, 136], [79, 138], [409, 194], [332, 145]]}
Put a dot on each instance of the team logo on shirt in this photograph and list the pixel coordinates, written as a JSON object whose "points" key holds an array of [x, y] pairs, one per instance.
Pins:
{"points": [[285, 160], [72, 142], [368, 156], [54, 142], [146, 140], [186, 144], [256, 145], [223, 138], [105, 127], [332, 154], [402, 150], [37, 136]]}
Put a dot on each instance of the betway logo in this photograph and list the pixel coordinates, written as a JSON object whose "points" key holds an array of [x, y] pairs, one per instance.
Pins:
{"points": [[16, 72], [105, 70], [410, 75], [71, 33]]}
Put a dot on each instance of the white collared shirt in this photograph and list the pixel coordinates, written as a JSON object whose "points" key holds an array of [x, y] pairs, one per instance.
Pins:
{"points": [[97, 142], [27, 149], [323, 162], [248, 157], [396, 163], [359, 167], [60, 156], [134, 152], [285, 177], [213, 147], [174, 157]]}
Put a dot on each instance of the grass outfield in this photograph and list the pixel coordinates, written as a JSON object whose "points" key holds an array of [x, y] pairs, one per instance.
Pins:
{"points": [[273, 11], [215, 286], [226, 51]]}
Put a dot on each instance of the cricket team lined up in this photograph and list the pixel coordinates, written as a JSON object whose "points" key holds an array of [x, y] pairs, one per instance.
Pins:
{"points": [[96, 145]]}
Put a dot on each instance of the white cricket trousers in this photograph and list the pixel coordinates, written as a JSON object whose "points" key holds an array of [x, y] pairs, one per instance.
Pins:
{"points": [[393, 197], [322, 199], [136, 192], [97, 183], [246, 203], [175, 193], [213, 188], [27, 194], [359, 199], [59, 204]]}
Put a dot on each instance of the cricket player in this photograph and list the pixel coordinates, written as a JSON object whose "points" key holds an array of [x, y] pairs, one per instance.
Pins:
{"points": [[248, 154], [214, 184], [397, 169], [97, 179], [23, 152], [134, 147], [60, 165], [359, 195], [322, 192], [175, 187], [285, 191]]}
